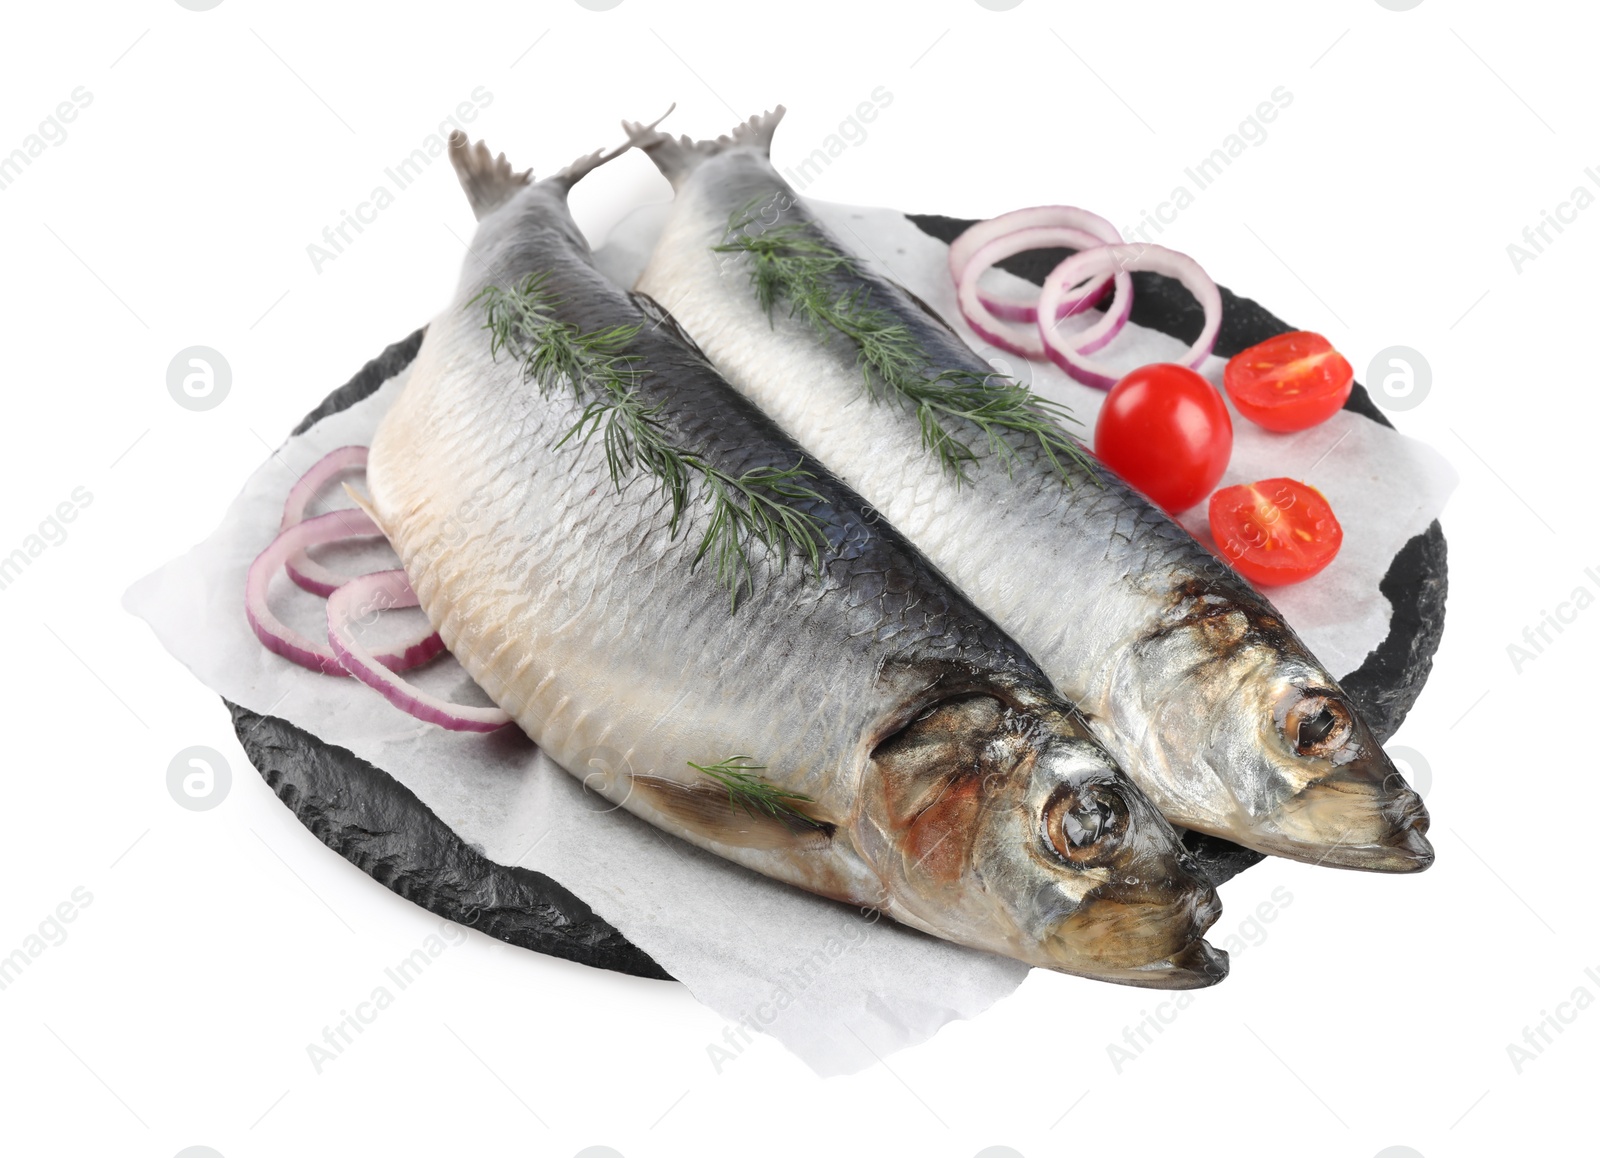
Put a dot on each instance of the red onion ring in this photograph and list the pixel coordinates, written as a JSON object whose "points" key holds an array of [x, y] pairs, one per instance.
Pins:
{"points": [[1026, 341], [283, 640], [1022, 309], [303, 569], [1125, 258], [383, 590]]}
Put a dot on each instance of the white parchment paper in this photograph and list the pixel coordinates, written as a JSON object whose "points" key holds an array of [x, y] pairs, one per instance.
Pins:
{"points": [[838, 987]]}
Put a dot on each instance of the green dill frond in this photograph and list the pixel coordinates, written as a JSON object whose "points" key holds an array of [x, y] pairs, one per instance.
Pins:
{"points": [[792, 264], [755, 795], [762, 505]]}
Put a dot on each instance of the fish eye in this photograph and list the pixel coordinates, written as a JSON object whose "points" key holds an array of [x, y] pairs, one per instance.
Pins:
{"points": [[1084, 825], [1319, 724]]}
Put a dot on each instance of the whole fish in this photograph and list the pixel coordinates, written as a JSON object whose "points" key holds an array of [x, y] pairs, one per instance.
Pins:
{"points": [[856, 728], [1190, 678]]}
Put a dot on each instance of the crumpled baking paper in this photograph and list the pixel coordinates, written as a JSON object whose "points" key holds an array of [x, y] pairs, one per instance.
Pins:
{"points": [[839, 987]]}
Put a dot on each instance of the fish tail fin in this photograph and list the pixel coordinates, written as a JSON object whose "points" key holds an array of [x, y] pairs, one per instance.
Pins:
{"points": [[488, 181], [589, 162], [677, 157]]}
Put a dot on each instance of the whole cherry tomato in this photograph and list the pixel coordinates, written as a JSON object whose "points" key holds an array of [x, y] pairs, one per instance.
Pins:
{"points": [[1290, 382], [1167, 432]]}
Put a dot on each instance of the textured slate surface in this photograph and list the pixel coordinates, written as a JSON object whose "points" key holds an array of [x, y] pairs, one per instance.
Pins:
{"points": [[379, 825]]}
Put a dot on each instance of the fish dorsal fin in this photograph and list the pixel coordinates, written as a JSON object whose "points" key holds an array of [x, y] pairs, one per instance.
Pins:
{"points": [[705, 810], [934, 315], [488, 181], [677, 157], [661, 318]]}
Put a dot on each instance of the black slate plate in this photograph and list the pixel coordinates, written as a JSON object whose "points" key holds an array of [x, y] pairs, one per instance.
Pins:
{"points": [[375, 822]]}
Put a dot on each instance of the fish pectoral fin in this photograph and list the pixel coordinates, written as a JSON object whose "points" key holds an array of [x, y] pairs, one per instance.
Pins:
{"points": [[364, 504], [706, 810]]}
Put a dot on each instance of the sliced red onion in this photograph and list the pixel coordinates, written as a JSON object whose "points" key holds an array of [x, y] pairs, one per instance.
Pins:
{"points": [[284, 640], [381, 591], [302, 568], [1063, 349], [1011, 307], [1025, 340]]}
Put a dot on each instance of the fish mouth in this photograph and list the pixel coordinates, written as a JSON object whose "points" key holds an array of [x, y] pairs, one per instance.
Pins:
{"points": [[1351, 820], [1119, 932], [1198, 965]]}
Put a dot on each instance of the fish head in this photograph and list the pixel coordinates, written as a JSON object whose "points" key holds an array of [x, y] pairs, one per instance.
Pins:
{"points": [[1017, 826], [1252, 727], [1321, 787]]}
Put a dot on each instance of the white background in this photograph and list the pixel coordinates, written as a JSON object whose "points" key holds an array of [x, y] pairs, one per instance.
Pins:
{"points": [[1373, 1012]]}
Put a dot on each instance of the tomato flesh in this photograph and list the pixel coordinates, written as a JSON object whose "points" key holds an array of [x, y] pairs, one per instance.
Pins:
{"points": [[1290, 382], [1275, 531], [1167, 432]]}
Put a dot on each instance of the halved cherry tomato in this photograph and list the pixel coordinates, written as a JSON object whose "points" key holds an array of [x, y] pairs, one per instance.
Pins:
{"points": [[1290, 382], [1275, 531], [1165, 430]]}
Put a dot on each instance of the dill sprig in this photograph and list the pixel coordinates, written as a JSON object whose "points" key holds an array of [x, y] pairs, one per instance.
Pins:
{"points": [[756, 796], [791, 263], [763, 505]]}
